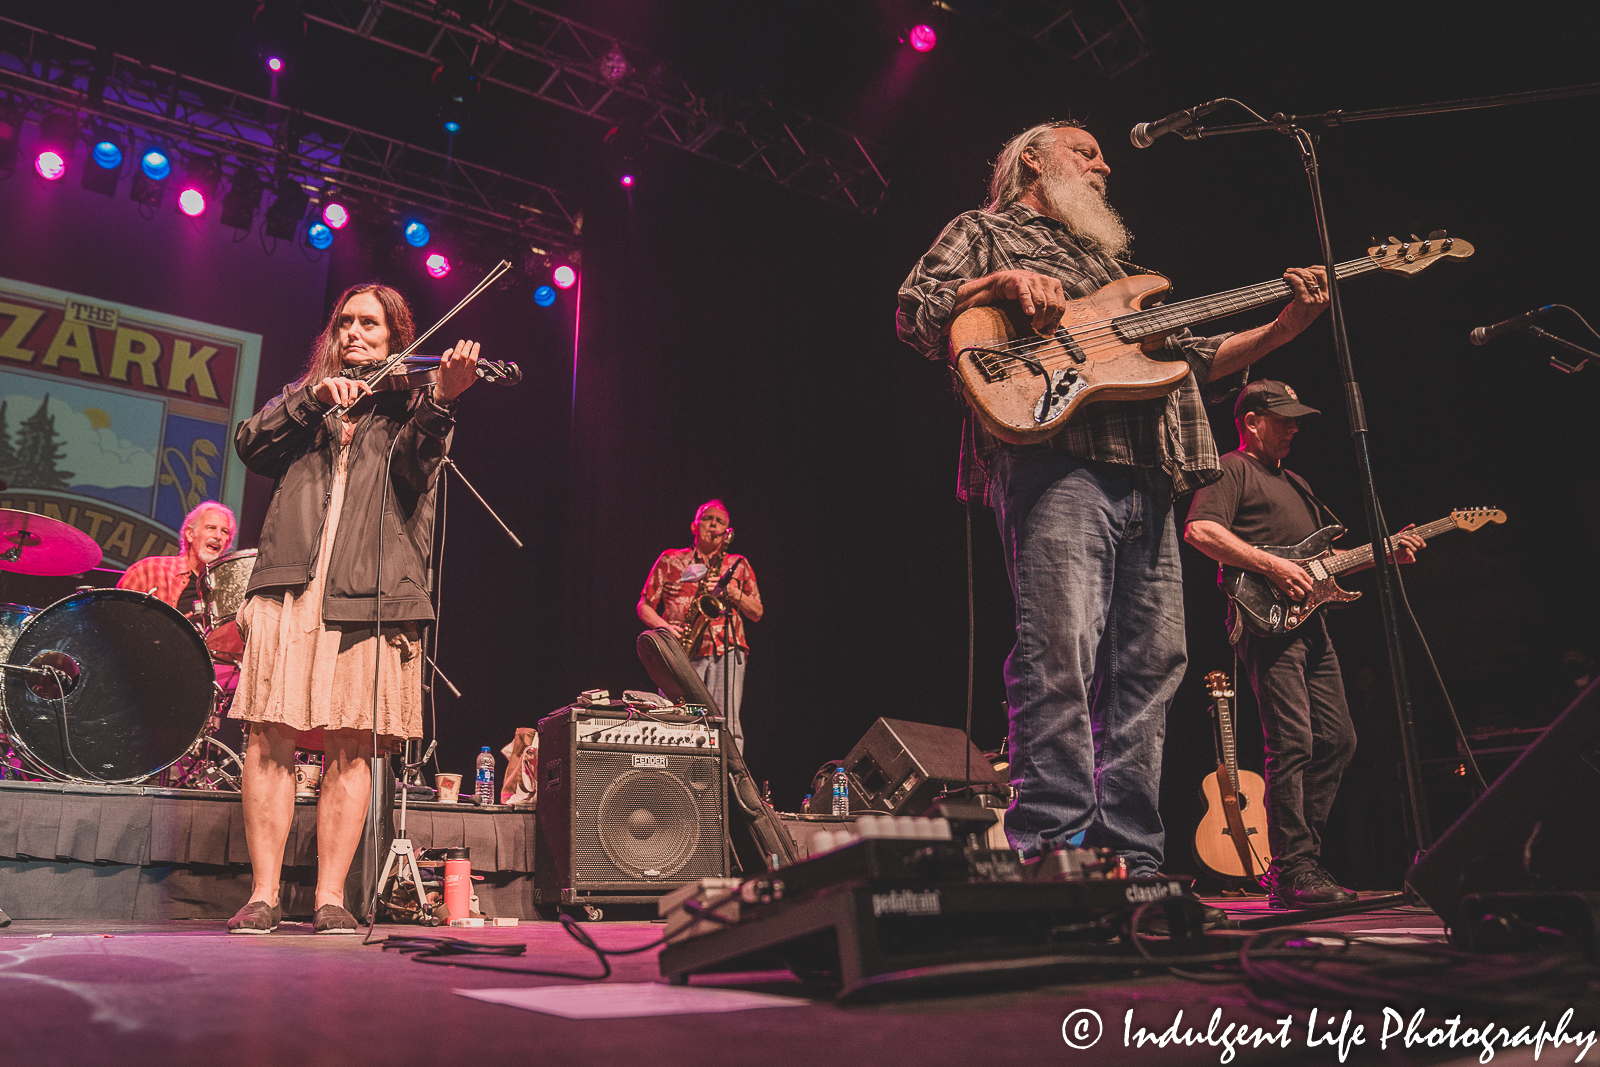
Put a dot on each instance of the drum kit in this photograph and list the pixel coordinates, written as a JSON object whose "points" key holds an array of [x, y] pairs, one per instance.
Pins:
{"points": [[115, 685]]}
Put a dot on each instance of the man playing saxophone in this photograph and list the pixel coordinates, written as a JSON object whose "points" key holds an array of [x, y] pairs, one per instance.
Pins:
{"points": [[704, 594]]}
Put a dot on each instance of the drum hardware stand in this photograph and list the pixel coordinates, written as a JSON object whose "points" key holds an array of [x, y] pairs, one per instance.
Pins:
{"points": [[402, 857]]}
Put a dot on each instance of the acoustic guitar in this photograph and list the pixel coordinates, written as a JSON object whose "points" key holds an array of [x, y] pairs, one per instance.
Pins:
{"points": [[1231, 839], [1024, 387], [1266, 611]]}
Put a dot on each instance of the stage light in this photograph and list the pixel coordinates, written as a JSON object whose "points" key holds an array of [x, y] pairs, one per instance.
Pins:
{"points": [[318, 235], [544, 296], [564, 277], [201, 176], [452, 126], [107, 156], [336, 216], [283, 217], [50, 165], [10, 131], [417, 234], [243, 200], [923, 38], [455, 90], [150, 180], [58, 133], [438, 265], [627, 181], [275, 64], [155, 164]]}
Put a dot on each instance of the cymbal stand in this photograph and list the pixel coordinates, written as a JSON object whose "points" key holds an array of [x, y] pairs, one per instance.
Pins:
{"points": [[400, 850]]}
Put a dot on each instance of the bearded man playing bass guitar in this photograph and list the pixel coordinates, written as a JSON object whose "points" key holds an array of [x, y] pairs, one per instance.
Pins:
{"points": [[682, 577], [1085, 517], [1306, 723]]}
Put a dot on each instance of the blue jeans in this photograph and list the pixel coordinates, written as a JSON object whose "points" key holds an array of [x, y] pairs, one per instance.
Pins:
{"points": [[1092, 553]]}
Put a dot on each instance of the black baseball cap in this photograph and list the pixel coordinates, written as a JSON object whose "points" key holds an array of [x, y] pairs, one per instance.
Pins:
{"points": [[1268, 395]]}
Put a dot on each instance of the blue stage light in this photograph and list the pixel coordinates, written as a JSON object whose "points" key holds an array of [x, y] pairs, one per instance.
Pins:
{"points": [[108, 155], [319, 235], [156, 165], [417, 234], [544, 296], [452, 126]]}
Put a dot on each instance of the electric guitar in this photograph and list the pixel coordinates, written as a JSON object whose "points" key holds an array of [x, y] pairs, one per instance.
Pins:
{"points": [[1231, 839], [1265, 609], [1024, 387]]}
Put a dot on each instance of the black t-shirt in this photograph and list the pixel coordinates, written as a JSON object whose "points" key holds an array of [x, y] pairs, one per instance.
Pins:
{"points": [[1258, 503]]}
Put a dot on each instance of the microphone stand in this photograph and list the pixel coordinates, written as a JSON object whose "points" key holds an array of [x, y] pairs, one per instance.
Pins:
{"points": [[1558, 363]]}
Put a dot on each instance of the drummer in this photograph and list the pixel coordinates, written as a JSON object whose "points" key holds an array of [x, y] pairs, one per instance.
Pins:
{"points": [[352, 492], [205, 536]]}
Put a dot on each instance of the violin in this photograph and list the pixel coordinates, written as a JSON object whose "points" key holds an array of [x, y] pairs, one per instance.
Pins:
{"points": [[415, 372]]}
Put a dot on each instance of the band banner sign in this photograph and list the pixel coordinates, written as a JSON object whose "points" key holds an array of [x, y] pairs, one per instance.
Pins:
{"points": [[118, 420]]}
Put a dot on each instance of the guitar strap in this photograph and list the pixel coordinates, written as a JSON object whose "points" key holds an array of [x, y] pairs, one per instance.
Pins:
{"points": [[1311, 498]]}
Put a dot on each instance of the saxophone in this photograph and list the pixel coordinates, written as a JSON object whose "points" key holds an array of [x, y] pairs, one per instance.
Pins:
{"points": [[707, 603]]}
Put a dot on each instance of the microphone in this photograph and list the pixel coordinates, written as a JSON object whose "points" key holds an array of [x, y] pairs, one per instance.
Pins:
{"points": [[1144, 134], [1483, 334]]}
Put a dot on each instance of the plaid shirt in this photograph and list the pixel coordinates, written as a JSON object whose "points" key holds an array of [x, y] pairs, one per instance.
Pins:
{"points": [[165, 576], [670, 594], [1171, 433]]}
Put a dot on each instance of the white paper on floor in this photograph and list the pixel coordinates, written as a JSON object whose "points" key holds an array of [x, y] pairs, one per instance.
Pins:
{"points": [[622, 1000]]}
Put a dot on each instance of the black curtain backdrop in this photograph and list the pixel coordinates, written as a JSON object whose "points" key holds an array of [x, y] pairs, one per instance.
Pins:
{"points": [[736, 340]]}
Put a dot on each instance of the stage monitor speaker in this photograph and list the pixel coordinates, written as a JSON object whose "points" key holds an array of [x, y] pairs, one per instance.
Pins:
{"points": [[1533, 830], [630, 808], [903, 767]]}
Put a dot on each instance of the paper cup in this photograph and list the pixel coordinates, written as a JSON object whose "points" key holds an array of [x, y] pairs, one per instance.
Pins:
{"points": [[449, 787], [307, 776]]}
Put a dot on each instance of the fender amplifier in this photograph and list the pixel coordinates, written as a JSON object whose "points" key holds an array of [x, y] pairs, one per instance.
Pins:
{"points": [[631, 805]]}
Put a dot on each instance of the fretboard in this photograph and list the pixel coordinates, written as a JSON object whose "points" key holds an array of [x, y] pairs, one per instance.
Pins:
{"points": [[1170, 317], [1362, 557]]}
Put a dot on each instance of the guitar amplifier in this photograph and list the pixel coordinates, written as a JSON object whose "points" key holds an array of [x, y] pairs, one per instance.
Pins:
{"points": [[631, 806]]}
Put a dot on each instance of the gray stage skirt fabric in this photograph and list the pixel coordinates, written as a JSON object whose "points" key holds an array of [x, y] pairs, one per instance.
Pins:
{"points": [[117, 852]]}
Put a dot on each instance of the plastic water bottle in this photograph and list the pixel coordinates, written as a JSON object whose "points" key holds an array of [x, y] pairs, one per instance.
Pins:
{"points": [[483, 784], [841, 792]]}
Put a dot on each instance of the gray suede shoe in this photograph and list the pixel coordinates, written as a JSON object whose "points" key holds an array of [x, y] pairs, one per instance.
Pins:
{"points": [[332, 919], [256, 917]]}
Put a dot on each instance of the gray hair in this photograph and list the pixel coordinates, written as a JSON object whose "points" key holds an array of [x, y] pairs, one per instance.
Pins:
{"points": [[1008, 182], [192, 520]]}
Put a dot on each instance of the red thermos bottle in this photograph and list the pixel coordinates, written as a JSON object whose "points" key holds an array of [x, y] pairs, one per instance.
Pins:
{"points": [[458, 882]]}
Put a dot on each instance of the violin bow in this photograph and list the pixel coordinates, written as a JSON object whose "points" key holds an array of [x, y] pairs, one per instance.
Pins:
{"points": [[394, 361]]}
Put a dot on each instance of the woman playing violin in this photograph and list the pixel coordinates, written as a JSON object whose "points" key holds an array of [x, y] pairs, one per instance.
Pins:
{"points": [[349, 491]]}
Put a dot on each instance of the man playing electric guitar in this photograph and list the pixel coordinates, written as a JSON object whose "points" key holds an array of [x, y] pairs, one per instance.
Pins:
{"points": [[1306, 723]]}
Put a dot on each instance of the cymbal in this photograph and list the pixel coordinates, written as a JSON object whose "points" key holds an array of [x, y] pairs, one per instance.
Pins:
{"points": [[38, 544]]}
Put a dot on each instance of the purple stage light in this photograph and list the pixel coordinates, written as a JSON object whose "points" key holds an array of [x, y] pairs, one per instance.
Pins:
{"points": [[438, 265], [923, 38], [336, 215], [192, 202], [50, 165], [564, 277], [627, 181], [275, 64]]}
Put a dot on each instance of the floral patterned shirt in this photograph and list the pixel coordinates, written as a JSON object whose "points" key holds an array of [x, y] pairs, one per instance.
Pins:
{"points": [[672, 585]]}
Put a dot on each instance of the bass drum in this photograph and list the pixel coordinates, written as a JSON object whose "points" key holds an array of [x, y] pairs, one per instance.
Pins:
{"points": [[137, 691]]}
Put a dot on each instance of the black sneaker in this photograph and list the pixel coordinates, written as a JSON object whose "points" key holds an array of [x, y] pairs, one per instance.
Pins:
{"points": [[256, 917], [1306, 887]]}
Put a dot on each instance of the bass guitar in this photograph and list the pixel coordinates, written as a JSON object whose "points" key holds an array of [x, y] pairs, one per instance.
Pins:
{"points": [[1024, 387], [1266, 611], [1231, 840]]}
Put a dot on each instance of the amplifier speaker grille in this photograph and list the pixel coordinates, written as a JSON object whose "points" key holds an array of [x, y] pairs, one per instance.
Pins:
{"points": [[646, 824]]}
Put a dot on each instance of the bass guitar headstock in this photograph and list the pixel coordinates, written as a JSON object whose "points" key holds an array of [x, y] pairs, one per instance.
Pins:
{"points": [[1473, 518], [1408, 257]]}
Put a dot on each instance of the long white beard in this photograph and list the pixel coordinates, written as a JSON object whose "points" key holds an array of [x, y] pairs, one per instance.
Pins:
{"points": [[1079, 203]]}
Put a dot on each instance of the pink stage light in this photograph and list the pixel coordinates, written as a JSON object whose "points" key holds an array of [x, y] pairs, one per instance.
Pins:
{"points": [[438, 265], [50, 165], [627, 181], [336, 215], [275, 64], [923, 38], [564, 277], [192, 202]]}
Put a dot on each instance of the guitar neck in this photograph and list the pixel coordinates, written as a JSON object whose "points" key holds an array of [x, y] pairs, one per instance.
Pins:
{"points": [[1225, 729], [1170, 317], [1357, 558]]}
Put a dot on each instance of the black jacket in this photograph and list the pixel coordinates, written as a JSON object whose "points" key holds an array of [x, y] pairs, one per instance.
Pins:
{"points": [[291, 441]]}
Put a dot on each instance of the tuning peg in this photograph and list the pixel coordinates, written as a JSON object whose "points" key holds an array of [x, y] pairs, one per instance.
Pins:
{"points": [[1414, 237], [1437, 235]]}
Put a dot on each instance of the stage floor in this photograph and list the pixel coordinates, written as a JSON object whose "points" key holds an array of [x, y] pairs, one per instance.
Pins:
{"points": [[174, 993]]}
